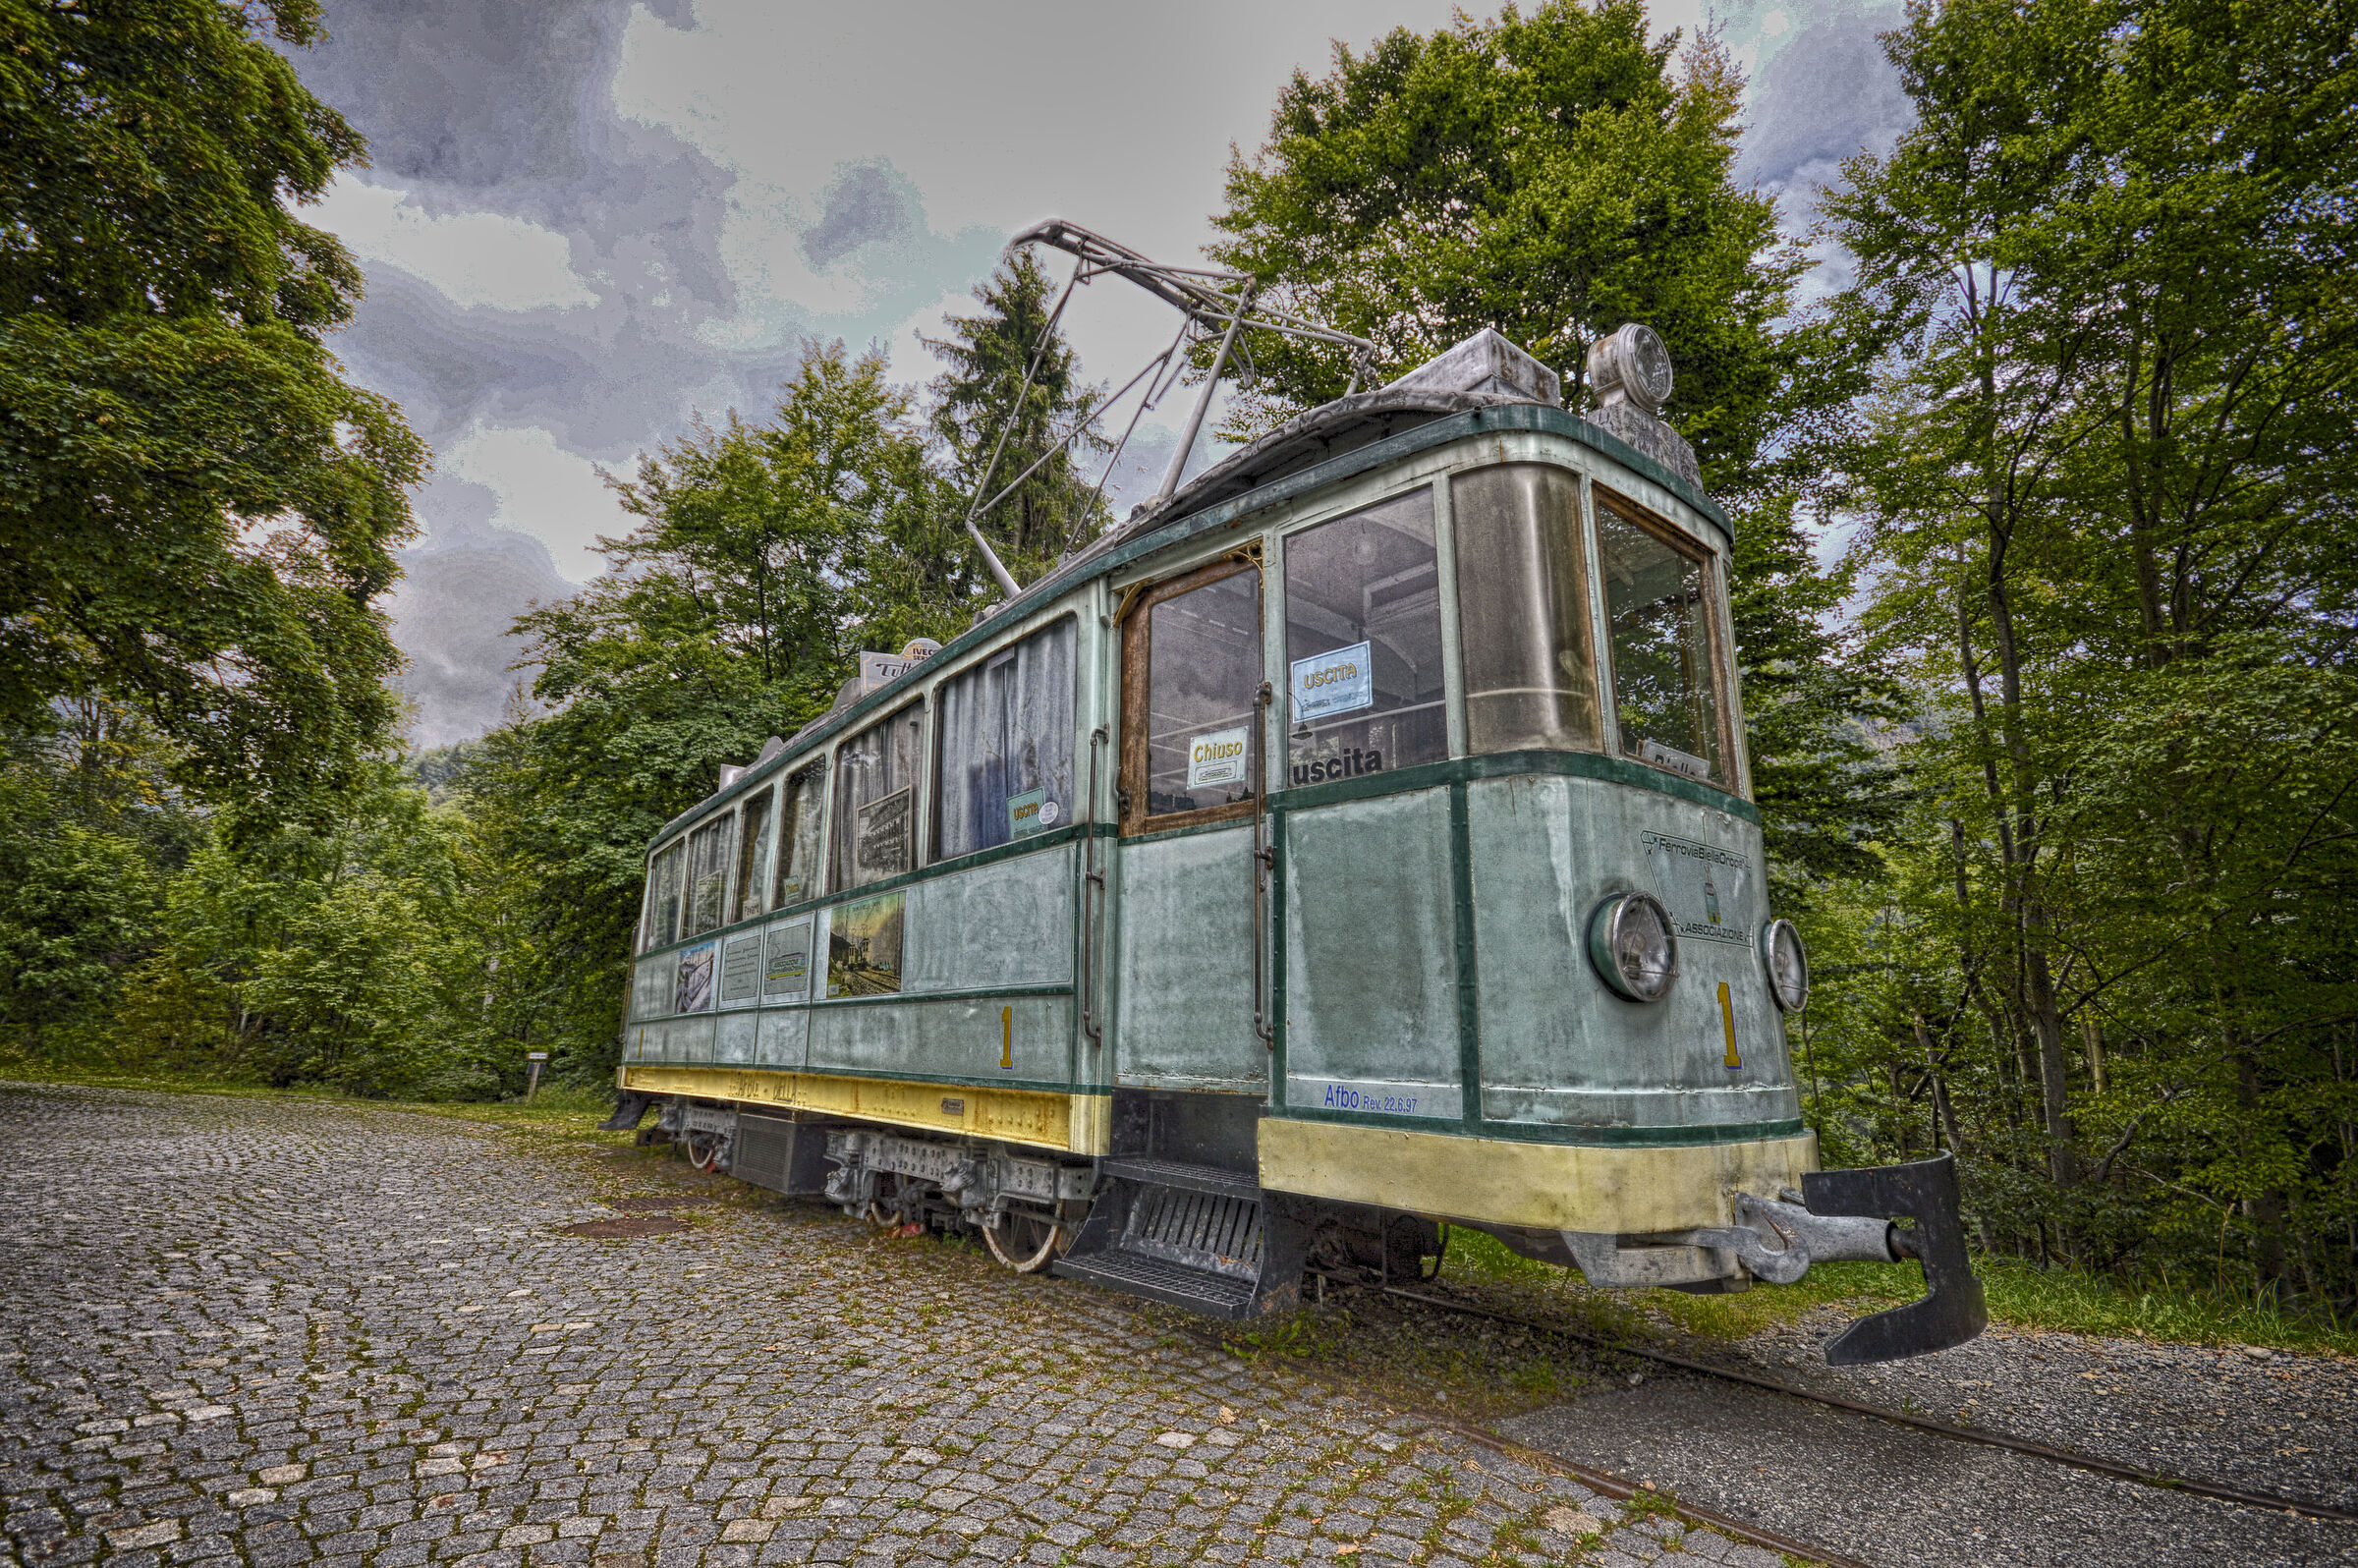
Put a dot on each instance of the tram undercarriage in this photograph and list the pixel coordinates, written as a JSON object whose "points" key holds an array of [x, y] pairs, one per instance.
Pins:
{"points": [[1213, 1240]]}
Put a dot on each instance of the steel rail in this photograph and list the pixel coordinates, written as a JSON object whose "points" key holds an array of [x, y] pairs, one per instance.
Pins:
{"points": [[2276, 1502]]}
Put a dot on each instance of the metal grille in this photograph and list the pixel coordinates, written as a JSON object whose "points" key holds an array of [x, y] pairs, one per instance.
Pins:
{"points": [[1197, 1229]]}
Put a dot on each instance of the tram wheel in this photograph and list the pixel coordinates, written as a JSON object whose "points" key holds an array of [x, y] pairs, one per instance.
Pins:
{"points": [[885, 1211], [704, 1151], [1026, 1242]]}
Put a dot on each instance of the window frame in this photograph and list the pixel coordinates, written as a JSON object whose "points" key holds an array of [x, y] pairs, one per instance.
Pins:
{"points": [[647, 942], [819, 765], [920, 795], [1278, 650], [745, 878], [1719, 656], [1137, 653], [935, 781], [726, 820]]}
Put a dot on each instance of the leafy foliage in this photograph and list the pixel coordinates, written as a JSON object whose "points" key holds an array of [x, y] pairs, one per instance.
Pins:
{"points": [[1551, 176], [989, 442], [196, 513], [2102, 472]]}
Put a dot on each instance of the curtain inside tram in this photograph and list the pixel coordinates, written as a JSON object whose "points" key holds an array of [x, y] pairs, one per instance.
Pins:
{"points": [[1006, 728]]}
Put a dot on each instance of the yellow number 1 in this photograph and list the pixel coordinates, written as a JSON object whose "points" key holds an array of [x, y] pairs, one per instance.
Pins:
{"points": [[1007, 1037], [1727, 1019]]}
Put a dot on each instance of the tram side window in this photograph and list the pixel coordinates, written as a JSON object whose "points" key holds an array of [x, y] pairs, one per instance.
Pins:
{"points": [[753, 857], [1203, 746], [708, 875], [798, 855], [663, 897], [1523, 610], [1005, 731], [1363, 644], [1658, 607], [875, 801]]}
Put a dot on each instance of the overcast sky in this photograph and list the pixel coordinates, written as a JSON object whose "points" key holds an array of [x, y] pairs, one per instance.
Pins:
{"points": [[585, 221]]}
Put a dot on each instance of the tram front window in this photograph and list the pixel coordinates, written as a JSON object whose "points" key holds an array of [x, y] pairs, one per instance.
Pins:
{"points": [[1363, 644], [1203, 746], [1657, 607], [1523, 610]]}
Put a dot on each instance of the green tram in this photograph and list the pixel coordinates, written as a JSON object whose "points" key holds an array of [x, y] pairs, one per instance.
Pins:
{"points": [[1356, 840]]}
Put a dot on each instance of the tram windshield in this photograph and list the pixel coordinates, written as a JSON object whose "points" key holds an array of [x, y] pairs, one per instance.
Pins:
{"points": [[1523, 610], [1658, 613]]}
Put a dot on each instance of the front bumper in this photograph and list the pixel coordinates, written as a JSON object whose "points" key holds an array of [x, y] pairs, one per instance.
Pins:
{"points": [[1838, 1216]]}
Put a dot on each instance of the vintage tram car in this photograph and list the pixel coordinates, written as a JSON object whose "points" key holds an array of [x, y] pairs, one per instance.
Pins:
{"points": [[1359, 838]]}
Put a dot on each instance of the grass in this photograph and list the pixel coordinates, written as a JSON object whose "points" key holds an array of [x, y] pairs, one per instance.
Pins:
{"points": [[2021, 1295]]}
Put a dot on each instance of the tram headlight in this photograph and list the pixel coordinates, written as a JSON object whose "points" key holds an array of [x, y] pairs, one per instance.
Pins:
{"points": [[1632, 945], [1788, 965]]}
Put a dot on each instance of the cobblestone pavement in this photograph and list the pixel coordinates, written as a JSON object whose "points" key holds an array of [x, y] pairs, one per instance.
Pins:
{"points": [[270, 1332]]}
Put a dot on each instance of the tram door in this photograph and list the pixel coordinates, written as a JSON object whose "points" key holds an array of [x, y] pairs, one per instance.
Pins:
{"points": [[1192, 769]]}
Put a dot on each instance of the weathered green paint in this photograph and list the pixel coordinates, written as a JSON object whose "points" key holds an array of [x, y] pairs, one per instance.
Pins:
{"points": [[1604, 1137], [1184, 952], [1370, 997], [1559, 1047], [1468, 997], [1504, 764], [914, 1038], [1005, 924], [972, 993]]}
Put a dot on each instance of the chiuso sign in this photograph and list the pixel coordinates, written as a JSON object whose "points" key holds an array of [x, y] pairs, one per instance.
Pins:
{"points": [[1339, 682], [1216, 758]]}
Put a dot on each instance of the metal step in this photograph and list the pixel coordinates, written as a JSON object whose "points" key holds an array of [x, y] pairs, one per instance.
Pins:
{"points": [[1190, 1178], [1173, 1284]]}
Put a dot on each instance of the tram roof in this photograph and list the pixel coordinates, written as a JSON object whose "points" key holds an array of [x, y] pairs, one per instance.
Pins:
{"points": [[1313, 450]]}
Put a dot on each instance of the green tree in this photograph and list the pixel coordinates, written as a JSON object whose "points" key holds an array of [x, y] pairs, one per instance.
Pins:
{"points": [[1552, 176], [764, 558], [196, 512], [350, 955], [980, 428], [2105, 468]]}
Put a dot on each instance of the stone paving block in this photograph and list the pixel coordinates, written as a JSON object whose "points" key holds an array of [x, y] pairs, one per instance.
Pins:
{"points": [[295, 1375]]}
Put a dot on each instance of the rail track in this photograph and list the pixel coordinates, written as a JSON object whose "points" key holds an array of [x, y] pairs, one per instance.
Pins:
{"points": [[2245, 1496]]}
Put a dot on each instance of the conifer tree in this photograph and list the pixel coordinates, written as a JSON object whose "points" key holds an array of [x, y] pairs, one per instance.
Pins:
{"points": [[984, 357]]}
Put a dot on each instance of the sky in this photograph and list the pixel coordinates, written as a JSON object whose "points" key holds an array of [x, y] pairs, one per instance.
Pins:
{"points": [[587, 222]]}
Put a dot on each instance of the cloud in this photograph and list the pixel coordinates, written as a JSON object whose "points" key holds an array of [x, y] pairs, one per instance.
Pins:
{"points": [[585, 219], [1826, 93], [475, 258], [543, 491]]}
